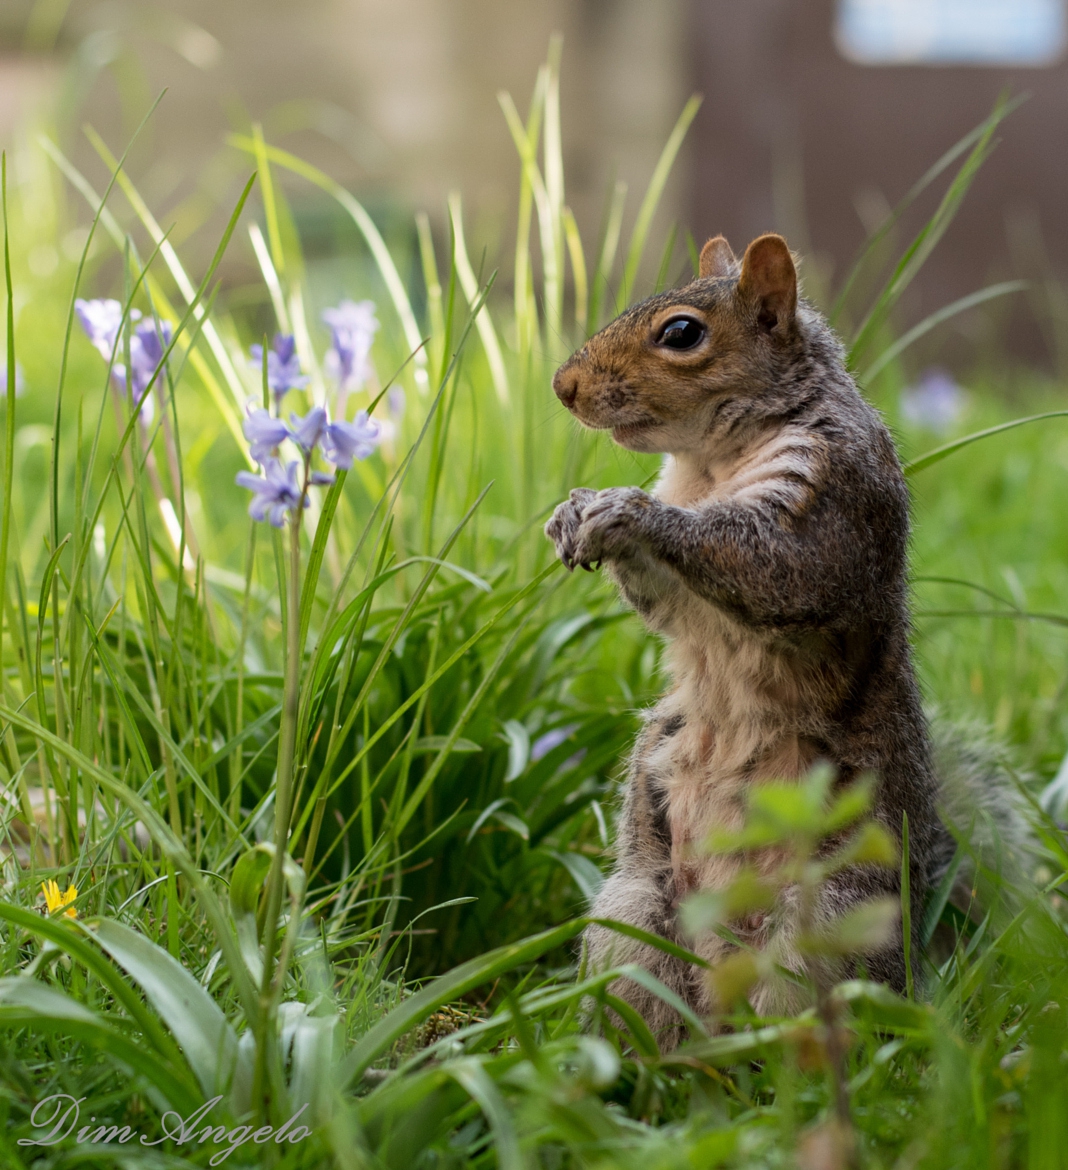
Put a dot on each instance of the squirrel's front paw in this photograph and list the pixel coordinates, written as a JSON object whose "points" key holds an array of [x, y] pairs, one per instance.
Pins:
{"points": [[564, 524], [611, 525]]}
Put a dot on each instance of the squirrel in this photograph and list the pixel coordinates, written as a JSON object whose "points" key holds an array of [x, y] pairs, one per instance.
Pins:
{"points": [[772, 557]]}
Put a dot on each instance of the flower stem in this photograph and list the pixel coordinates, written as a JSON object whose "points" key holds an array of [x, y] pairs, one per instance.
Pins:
{"points": [[282, 805]]}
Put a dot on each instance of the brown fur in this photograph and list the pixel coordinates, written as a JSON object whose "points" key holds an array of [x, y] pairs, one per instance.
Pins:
{"points": [[772, 556]]}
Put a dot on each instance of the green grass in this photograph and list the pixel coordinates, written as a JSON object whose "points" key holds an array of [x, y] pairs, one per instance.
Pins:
{"points": [[440, 868]]}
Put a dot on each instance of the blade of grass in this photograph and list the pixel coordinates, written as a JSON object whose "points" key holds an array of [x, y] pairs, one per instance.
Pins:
{"points": [[649, 204], [606, 258], [924, 242], [9, 415], [370, 233], [578, 270], [930, 322], [483, 320], [169, 845], [451, 986], [170, 258], [939, 453], [1001, 111]]}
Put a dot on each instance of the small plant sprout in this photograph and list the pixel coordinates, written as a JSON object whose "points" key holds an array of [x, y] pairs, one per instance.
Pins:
{"points": [[283, 366], [795, 838], [54, 900]]}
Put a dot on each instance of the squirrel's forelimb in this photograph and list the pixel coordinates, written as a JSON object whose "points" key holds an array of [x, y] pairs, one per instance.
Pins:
{"points": [[772, 556]]}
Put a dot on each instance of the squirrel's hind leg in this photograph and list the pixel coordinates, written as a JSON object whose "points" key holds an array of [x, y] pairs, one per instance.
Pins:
{"points": [[644, 900]]}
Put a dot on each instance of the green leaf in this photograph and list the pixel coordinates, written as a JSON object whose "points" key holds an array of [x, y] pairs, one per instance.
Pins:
{"points": [[872, 845], [733, 977], [864, 929], [876, 1004], [644, 1040], [194, 1018], [939, 453], [586, 875], [247, 878], [518, 748], [453, 985], [68, 937], [24, 1002], [652, 198], [472, 1077], [434, 743], [516, 824], [748, 891]]}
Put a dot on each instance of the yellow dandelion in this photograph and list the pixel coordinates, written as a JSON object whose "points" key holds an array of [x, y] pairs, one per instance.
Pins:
{"points": [[54, 900]]}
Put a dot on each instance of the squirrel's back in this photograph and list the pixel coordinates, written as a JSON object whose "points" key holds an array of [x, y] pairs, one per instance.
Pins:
{"points": [[772, 555]]}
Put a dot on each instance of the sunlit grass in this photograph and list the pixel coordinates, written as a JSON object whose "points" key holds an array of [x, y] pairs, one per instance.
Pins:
{"points": [[436, 831]]}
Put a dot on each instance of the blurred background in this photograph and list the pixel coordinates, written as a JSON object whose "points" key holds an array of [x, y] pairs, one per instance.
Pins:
{"points": [[818, 116]]}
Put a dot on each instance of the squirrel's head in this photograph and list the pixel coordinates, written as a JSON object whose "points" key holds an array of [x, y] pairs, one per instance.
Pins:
{"points": [[657, 375]]}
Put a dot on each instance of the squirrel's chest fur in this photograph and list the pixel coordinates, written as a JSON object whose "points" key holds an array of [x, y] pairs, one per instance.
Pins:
{"points": [[746, 703]]}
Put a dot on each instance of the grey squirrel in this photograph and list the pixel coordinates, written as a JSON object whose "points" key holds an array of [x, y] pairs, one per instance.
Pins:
{"points": [[772, 557]]}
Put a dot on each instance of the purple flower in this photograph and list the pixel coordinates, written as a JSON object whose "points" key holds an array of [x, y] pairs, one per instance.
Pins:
{"points": [[263, 432], [146, 354], [275, 494], [306, 432], [101, 320], [934, 402], [283, 365], [395, 402], [544, 744], [20, 381], [353, 327], [345, 441]]}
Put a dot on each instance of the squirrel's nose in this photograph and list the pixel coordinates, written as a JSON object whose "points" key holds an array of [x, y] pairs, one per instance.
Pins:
{"points": [[566, 384]]}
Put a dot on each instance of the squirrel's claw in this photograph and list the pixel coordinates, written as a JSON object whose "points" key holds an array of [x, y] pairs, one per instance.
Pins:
{"points": [[564, 524]]}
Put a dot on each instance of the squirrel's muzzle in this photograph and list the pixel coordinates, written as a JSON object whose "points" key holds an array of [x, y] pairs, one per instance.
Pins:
{"points": [[566, 385]]}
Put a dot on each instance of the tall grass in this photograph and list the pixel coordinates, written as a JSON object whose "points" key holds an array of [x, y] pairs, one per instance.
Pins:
{"points": [[294, 775]]}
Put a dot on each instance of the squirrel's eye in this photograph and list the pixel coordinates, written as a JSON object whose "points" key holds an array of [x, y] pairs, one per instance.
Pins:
{"points": [[682, 333]]}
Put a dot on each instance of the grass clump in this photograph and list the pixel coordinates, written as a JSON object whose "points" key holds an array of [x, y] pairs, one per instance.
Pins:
{"points": [[323, 804]]}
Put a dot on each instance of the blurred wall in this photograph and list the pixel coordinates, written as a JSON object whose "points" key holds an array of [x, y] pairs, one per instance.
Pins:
{"points": [[793, 136], [395, 98], [398, 100]]}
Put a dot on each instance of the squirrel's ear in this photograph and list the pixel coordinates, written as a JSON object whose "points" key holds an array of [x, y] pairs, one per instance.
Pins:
{"points": [[770, 279], [717, 259]]}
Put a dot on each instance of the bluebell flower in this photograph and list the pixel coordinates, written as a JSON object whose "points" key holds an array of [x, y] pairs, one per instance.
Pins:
{"points": [[264, 433], [146, 354], [345, 441], [935, 401], [101, 320], [275, 494], [307, 432], [544, 744], [283, 365], [352, 326], [395, 402]]}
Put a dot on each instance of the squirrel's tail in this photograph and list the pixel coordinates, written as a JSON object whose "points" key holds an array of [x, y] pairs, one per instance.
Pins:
{"points": [[989, 840]]}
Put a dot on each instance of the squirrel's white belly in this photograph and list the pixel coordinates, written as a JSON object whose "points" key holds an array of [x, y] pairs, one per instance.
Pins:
{"points": [[743, 721]]}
